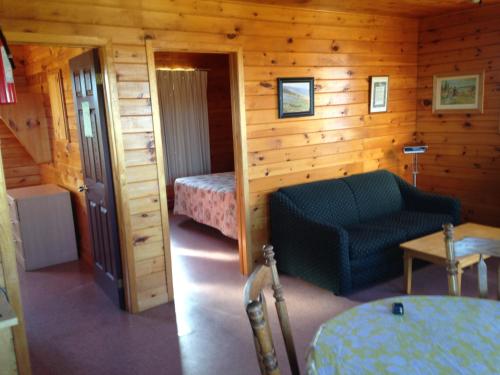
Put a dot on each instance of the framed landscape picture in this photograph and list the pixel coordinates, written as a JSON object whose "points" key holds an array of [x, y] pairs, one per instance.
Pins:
{"points": [[458, 93], [379, 90], [295, 97]]}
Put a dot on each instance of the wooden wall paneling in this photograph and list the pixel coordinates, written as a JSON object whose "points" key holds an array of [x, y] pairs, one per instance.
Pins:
{"points": [[464, 149], [58, 105], [19, 167], [13, 339], [161, 168], [26, 120], [116, 143], [408, 8], [339, 49], [119, 176], [47, 73], [246, 243]]}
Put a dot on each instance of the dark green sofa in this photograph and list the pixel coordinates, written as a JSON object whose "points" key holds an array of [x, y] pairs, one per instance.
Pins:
{"points": [[344, 234]]}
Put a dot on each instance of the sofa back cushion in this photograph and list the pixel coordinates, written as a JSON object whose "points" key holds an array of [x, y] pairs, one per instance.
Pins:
{"points": [[376, 193], [329, 201]]}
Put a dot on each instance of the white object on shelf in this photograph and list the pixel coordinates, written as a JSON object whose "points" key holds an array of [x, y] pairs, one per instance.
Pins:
{"points": [[42, 225]]}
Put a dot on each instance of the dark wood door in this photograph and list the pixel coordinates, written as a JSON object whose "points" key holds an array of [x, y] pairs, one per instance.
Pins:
{"points": [[88, 99]]}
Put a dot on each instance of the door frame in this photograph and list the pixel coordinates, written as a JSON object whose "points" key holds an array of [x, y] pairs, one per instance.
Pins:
{"points": [[236, 69], [115, 141]]}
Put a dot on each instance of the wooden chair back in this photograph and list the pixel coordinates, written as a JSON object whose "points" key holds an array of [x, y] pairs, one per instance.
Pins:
{"points": [[482, 271], [255, 304]]}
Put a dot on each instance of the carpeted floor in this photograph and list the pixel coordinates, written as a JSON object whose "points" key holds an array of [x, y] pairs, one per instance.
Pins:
{"points": [[73, 329]]}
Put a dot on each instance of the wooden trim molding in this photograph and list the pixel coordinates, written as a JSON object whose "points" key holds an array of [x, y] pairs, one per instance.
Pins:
{"points": [[119, 176], [241, 160], [235, 53], [15, 37], [161, 164], [10, 280]]}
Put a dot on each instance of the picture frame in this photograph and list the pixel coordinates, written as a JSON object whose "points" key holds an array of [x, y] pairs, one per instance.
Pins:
{"points": [[295, 97], [452, 93], [379, 93]]}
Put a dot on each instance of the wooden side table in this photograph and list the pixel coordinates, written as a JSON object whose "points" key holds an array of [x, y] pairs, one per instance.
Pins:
{"points": [[431, 248]]}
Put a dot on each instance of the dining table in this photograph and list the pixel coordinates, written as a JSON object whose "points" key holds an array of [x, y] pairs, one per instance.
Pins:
{"points": [[434, 335]]}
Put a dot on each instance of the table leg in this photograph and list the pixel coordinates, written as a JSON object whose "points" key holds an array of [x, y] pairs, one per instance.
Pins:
{"points": [[498, 282], [408, 264], [460, 271]]}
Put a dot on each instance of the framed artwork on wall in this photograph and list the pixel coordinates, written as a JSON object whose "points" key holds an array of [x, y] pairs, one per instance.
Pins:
{"points": [[295, 97], [379, 90], [458, 93]]}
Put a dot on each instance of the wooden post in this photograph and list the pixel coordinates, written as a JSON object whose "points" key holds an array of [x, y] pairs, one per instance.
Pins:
{"points": [[10, 281], [452, 263], [281, 309], [262, 332]]}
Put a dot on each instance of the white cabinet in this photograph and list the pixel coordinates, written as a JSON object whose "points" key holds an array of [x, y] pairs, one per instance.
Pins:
{"points": [[43, 226]]}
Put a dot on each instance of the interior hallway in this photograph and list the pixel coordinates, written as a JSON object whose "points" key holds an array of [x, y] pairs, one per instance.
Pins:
{"points": [[74, 329]]}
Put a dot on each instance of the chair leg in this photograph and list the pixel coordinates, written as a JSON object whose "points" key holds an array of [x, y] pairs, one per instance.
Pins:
{"points": [[498, 282], [259, 357], [281, 308], [482, 277], [262, 333], [453, 281], [408, 265]]}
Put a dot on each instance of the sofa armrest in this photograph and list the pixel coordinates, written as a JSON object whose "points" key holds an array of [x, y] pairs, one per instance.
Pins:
{"points": [[421, 201], [307, 248]]}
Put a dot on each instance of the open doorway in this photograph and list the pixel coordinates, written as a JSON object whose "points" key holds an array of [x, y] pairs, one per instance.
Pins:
{"points": [[200, 131], [57, 166], [195, 110]]}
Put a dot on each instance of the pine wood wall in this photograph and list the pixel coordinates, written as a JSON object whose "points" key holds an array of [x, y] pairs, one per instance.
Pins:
{"points": [[464, 149], [340, 50], [20, 168], [65, 169]]}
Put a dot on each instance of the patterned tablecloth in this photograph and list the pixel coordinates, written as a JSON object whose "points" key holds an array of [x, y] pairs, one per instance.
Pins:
{"points": [[436, 335], [209, 199]]}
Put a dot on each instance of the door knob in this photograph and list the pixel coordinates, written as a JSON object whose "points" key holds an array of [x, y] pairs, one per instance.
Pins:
{"points": [[83, 188]]}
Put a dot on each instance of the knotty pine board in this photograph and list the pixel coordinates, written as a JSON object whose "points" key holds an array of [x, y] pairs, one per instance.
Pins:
{"points": [[464, 149], [66, 168], [340, 50], [19, 167]]}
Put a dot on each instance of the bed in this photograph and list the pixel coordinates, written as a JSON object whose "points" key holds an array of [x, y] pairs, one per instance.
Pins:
{"points": [[208, 199]]}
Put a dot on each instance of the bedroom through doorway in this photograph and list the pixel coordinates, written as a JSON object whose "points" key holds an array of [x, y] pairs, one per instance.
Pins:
{"points": [[196, 116]]}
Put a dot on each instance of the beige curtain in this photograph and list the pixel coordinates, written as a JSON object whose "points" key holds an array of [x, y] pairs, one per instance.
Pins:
{"points": [[184, 117]]}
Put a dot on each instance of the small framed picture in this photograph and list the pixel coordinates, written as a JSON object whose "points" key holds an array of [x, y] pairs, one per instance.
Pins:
{"points": [[458, 93], [295, 97], [379, 89]]}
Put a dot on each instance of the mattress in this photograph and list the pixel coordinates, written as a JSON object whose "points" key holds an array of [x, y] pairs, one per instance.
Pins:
{"points": [[208, 199]]}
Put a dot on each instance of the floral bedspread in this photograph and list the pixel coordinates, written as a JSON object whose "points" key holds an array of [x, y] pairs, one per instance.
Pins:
{"points": [[209, 199]]}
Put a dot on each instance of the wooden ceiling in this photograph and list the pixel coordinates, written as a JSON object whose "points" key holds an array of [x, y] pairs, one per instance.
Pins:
{"points": [[406, 8]]}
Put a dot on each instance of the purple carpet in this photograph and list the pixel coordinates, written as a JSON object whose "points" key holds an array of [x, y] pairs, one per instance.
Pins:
{"points": [[74, 329]]}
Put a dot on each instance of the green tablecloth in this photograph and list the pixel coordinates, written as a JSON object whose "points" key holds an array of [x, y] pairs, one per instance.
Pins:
{"points": [[436, 335]]}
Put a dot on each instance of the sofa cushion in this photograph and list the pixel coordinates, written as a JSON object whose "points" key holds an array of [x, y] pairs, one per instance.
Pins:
{"points": [[377, 267], [328, 201], [376, 193], [366, 240], [414, 223]]}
